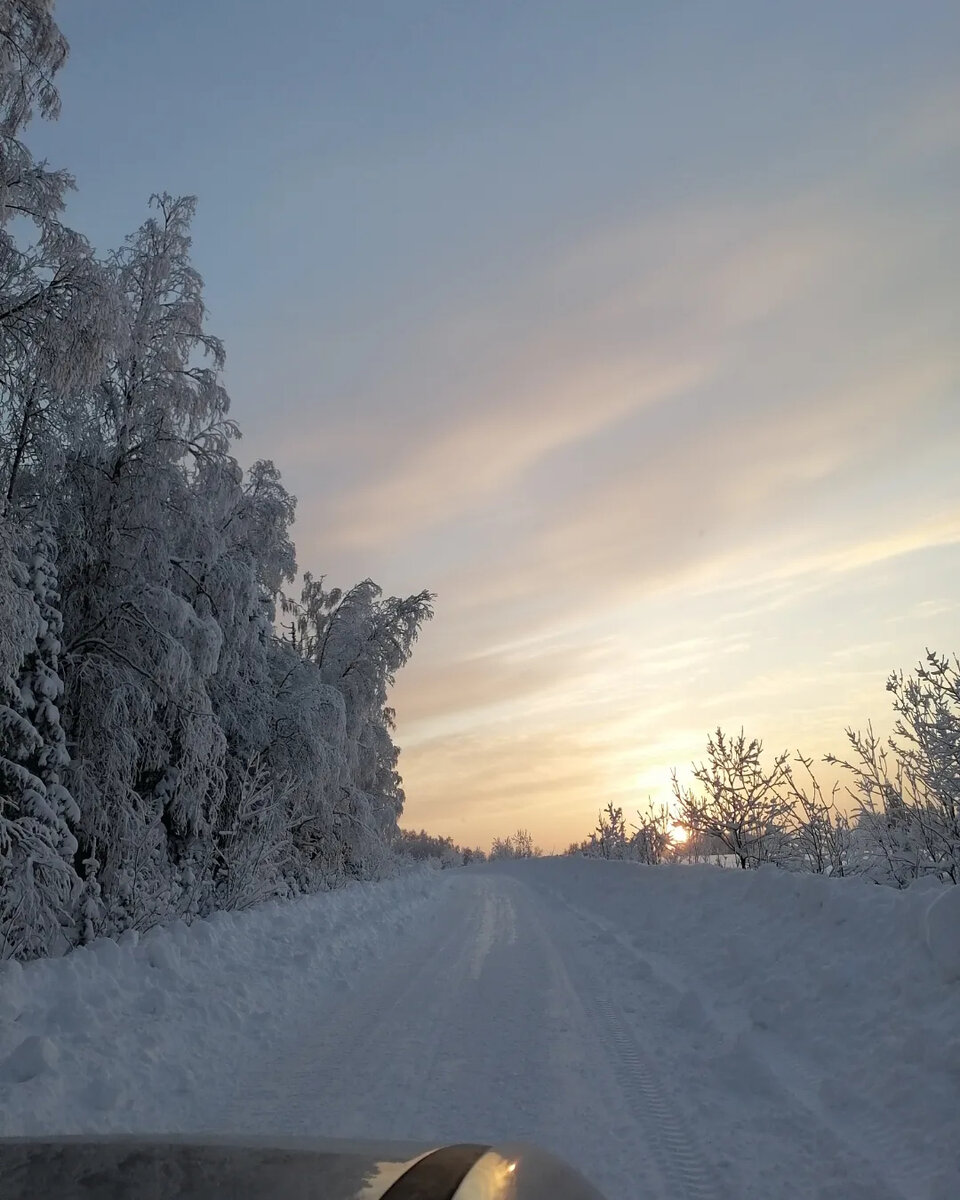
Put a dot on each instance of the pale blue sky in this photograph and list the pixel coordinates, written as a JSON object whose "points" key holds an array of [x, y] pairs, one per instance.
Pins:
{"points": [[630, 328]]}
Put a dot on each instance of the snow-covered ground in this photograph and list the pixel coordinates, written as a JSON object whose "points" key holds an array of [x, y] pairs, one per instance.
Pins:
{"points": [[674, 1032]]}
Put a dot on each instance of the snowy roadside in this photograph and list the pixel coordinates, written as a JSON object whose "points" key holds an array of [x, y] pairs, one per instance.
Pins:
{"points": [[776, 992], [140, 1034]]}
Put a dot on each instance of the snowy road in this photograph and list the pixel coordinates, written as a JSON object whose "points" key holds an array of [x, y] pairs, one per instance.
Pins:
{"points": [[511, 1013], [487, 1025], [677, 1033]]}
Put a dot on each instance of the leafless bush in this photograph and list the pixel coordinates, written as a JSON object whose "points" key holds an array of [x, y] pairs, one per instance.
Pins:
{"points": [[820, 835]]}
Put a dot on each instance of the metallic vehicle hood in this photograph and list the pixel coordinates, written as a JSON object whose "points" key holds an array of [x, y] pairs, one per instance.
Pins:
{"points": [[215, 1168]]}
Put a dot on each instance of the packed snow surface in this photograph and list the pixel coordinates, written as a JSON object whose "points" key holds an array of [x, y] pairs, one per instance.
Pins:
{"points": [[678, 1032]]}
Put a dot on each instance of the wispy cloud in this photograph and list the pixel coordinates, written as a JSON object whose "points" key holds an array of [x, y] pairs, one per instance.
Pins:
{"points": [[683, 468]]}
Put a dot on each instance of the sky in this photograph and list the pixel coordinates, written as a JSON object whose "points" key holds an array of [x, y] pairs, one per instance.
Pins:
{"points": [[628, 328]]}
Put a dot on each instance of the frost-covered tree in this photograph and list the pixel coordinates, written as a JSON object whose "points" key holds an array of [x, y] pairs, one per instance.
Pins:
{"points": [[524, 845], [17, 615], [609, 839], [652, 838], [149, 771], [53, 317], [357, 641], [56, 309], [252, 842], [308, 751], [740, 802], [907, 789], [37, 881], [926, 741], [518, 845], [32, 51], [235, 556], [885, 845], [41, 688], [820, 834], [426, 849], [649, 842]]}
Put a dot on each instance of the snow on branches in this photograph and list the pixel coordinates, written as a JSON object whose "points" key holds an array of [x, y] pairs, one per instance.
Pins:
{"points": [[896, 821], [165, 747]]}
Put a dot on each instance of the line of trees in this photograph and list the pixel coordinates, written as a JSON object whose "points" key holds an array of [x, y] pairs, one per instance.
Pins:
{"points": [[426, 849], [649, 840], [901, 814], [422, 848], [176, 733]]}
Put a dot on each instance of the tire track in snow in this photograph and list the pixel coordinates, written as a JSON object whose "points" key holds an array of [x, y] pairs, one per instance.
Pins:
{"points": [[892, 1173], [684, 1168], [589, 1102], [852, 1128], [670, 1138]]}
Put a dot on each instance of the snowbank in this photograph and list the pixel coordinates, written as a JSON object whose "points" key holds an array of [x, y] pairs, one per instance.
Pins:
{"points": [[773, 949], [845, 993], [133, 1035]]}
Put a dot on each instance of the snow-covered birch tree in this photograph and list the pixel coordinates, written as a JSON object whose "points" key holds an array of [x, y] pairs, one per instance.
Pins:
{"points": [[149, 773]]}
